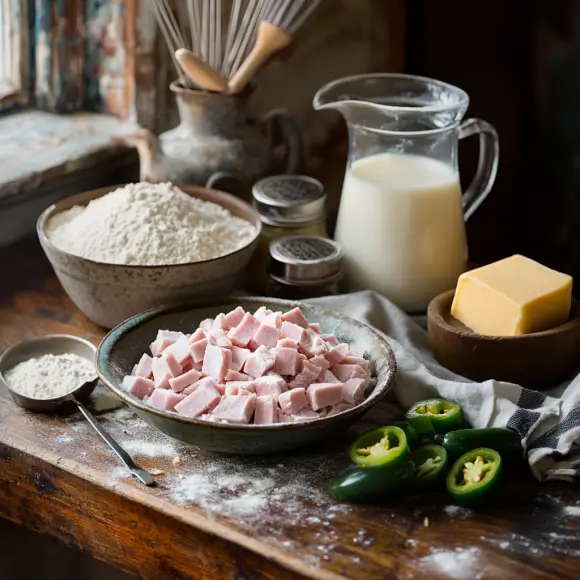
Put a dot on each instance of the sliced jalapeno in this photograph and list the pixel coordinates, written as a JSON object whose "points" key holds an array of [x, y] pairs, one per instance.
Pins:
{"points": [[382, 446], [435, 416], [365, 484], [474, 477], [429, 466]]}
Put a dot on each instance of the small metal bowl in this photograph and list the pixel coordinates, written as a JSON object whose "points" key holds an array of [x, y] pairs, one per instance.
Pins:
{"points": [[51, 344]]}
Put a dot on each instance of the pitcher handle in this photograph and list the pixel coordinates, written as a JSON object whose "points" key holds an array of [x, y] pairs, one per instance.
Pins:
{"points": [[282, 127], [486, 172]]}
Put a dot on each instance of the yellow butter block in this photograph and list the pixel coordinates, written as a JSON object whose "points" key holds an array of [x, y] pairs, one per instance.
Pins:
{"points": [[512, 297]]}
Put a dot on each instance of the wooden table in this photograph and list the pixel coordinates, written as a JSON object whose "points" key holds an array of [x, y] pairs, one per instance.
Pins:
{"points": [[241, 518]]}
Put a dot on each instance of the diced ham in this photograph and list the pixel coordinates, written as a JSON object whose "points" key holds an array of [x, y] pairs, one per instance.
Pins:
{"points": [[236, 409], [320, 362], [270, 385], [330, 339], [239, 387], [232, 375], [244, 332], [265, 336], [218, 337], [304, 415], [293, 401], [165, 400], [315, 326], [353, 390], [190, 389], [319, 346], [163, 340], [233, 318], [334, 356], [218, 323], [216, 362], [172, 363], [305, 346], [143, 367], [295, 316], [179, 383], [161, 373], [327, 377], [198, 349], [306, 376], [286, 362], [274, 319], [261, 313], [181, 349], [138, 386], [266, 410], [344, 372], [239, 356], [259, 362], [291, 331], [322, 395], [199, 334], [357, 360], [207, 325], [187, 366], [203, 399], [287, 343], [134, 370]]}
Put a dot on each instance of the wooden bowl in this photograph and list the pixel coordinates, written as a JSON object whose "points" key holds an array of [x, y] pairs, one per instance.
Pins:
{"points": [[536, 361], [123, 346], [107, 294]]}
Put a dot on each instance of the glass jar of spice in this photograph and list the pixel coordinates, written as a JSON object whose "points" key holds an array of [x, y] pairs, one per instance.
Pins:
{"points": [[303, 267], [288, 205]]}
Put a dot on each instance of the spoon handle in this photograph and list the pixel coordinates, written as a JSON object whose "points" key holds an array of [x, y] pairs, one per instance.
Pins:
{"points": [[139, 473]]}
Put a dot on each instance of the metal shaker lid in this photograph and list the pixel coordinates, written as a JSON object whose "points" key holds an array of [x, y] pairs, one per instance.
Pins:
{"points": [[305, 260], [289, 199]]}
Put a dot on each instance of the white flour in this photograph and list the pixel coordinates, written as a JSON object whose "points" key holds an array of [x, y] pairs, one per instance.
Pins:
{"points": [[50, 376], [149, 224]]}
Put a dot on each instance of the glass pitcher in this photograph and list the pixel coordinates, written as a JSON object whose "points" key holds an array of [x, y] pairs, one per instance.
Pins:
{"points": [[401, 219]]}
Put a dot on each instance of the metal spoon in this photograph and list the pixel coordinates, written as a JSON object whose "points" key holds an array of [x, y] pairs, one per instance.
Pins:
{"points": [[60, 344]]}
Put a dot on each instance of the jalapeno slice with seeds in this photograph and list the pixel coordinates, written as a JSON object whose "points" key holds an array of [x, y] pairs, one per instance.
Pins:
{"points": [[474, 476], [435, 416], [429, 466], [382, 446]]}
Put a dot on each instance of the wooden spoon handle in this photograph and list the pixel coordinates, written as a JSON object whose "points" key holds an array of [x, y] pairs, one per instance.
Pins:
{"points": [[270, 39], [203, 75]]}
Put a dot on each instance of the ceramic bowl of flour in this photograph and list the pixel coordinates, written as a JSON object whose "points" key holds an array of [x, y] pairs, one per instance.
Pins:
{"points": [[108, 293]]}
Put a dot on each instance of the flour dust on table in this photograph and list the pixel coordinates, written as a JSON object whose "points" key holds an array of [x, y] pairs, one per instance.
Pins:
{"points": [[50, 376], [149, 224]]}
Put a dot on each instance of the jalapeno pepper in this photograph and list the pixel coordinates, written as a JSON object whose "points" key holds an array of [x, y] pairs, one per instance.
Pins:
{"points": [[382, 446], [505, 441], [413, 439], [435, 416], [364, 484], [429, 466], [474, 476]]}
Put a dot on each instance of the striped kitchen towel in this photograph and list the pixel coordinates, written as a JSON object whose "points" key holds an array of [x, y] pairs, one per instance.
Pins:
{"points": [[548, 422]]}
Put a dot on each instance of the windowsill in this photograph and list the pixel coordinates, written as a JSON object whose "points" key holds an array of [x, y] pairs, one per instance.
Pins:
{"points": [[38, 147]]}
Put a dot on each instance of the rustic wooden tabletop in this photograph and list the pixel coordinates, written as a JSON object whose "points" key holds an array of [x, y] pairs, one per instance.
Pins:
{"points": [[219, 517]]}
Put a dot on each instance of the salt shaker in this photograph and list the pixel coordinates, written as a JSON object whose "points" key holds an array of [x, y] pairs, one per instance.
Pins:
{"points": [[303, 267]]}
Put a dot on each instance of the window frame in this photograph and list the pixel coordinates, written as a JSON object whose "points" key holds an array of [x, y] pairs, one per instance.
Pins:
{"points": [[19, 32]]}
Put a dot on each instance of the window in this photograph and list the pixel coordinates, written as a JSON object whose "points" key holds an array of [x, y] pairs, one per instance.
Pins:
{"points": [[13, 51]]}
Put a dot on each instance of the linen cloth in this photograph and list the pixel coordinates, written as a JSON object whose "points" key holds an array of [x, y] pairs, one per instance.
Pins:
{"points": [[548, 422]]}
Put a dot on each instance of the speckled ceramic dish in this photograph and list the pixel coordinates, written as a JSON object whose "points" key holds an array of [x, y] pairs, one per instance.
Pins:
{"points": [[124, 345], [109, 293]]}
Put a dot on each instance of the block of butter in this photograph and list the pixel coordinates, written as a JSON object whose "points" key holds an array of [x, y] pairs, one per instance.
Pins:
{"points": [[512, 297]]}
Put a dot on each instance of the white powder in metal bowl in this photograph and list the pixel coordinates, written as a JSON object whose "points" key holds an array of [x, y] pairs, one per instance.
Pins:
{"points": [[149, 224], [50, 376]]}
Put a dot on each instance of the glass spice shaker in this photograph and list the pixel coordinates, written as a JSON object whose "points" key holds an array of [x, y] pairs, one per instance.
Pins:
{"points": [[303, 267], [288, 205]]}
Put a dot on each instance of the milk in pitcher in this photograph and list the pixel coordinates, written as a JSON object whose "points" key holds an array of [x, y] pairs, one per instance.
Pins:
{"points": [[402, 228]]}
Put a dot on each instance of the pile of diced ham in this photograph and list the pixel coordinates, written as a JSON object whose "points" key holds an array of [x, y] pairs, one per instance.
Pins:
{"points": [[261, 368]]}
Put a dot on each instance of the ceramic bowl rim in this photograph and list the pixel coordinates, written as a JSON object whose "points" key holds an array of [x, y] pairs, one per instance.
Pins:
{"points": [[438, 308], [40, 339], [50, 212], [111, 338]]}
